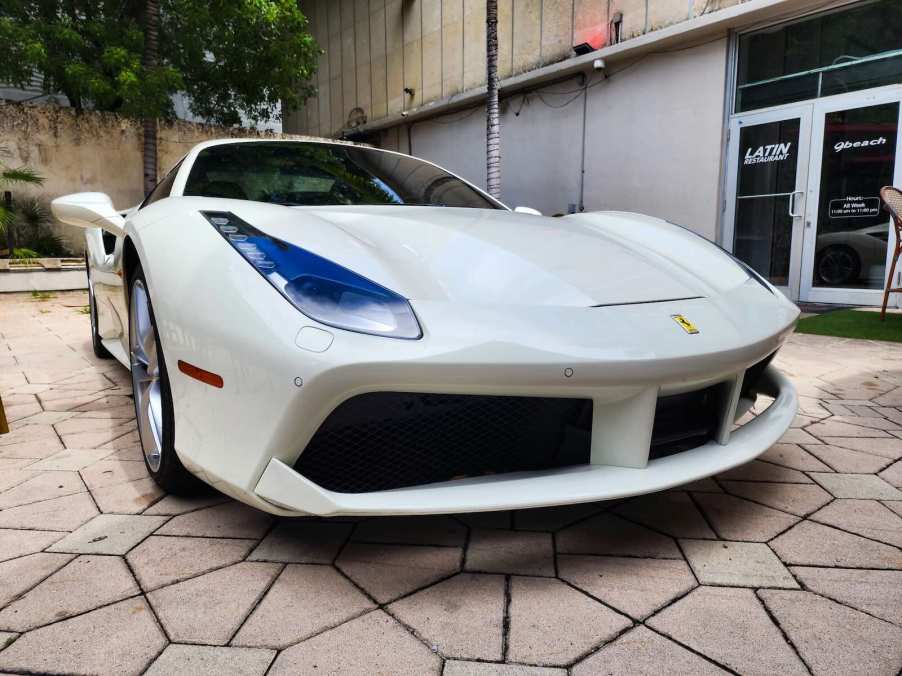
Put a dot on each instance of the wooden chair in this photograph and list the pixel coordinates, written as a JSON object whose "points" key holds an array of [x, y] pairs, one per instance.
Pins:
{"points": [[892, 201], [4, 427]]}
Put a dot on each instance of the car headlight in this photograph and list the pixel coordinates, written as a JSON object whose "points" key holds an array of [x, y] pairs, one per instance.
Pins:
{"points": [[320, 289]]}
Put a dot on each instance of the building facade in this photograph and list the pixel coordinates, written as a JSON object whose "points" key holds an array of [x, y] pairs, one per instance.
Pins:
{"points": [[767, 126]]}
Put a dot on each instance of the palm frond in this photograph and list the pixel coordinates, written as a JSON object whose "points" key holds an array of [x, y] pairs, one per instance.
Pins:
{"points": [[20, 175]]}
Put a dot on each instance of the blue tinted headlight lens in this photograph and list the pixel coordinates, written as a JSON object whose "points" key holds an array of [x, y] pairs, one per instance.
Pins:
{"points": [[322, 290]]}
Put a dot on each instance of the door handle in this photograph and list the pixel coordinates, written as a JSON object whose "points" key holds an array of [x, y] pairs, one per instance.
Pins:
{"points": [[792, 203]]}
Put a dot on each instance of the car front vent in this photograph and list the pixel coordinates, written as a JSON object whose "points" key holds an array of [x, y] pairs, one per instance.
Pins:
{"points": [[384, 440]]}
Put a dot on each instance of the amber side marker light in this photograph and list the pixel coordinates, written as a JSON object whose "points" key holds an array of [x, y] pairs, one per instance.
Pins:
{"points": [[200, 374]]}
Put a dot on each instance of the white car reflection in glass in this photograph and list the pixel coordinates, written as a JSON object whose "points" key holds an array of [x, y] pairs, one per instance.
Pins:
{"points": [[852, 257]]}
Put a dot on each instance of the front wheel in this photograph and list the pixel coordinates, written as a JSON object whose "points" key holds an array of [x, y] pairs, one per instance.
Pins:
{"points": [[153, 398]]}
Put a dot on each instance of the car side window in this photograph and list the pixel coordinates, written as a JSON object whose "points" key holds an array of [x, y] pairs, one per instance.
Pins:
{"points": [[163, 188]]}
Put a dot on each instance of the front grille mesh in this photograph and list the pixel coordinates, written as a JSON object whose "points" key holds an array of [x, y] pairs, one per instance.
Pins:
{"points": [[686, 421], [384, 440]]}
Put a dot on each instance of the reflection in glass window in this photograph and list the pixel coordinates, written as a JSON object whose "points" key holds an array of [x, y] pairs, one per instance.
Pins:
{"points": [[858, 158], [768, 160], [827, 54], [319, 174]]}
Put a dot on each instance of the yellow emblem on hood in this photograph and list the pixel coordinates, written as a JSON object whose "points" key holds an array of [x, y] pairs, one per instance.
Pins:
{"points": [[686, 325]]}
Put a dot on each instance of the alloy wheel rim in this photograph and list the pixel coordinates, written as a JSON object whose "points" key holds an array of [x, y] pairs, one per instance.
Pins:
{"points": [[146, 376]]}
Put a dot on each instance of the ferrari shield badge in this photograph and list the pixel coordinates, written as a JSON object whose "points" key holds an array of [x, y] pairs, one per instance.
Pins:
{"points": [[685, 324]]}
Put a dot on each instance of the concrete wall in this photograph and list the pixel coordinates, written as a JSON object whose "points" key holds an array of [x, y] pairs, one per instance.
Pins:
{"points": [[92, 151], [374, 49], [653, 140]]}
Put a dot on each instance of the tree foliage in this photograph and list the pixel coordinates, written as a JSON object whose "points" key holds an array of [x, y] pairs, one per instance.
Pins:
{"points": [[228, 56]]}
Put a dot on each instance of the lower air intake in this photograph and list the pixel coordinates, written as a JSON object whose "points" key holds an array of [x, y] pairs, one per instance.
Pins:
{"points": [[384, 440]]}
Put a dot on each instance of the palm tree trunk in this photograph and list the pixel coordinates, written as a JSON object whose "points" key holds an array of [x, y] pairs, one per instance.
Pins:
{"points": [[493, 119], [149, 61]]}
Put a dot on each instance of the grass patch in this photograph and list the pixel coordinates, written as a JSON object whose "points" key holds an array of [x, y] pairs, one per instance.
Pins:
{"points": [[854, 324], [43, 295], [84, 310]]}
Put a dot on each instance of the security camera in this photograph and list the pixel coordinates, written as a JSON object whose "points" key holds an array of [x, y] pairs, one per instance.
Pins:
{"points": [[598, 64]]}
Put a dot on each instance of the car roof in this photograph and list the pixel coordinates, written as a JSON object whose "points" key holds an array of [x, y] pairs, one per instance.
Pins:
{"points": [[264, 139]]}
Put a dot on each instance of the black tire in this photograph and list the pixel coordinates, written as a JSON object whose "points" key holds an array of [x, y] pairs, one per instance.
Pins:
{"points": [[171, 475], [99, 350], [837, 265]]}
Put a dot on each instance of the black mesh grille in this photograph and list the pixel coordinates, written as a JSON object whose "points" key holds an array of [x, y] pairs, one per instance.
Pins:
{"points": [[384, 440], [686, 421]]}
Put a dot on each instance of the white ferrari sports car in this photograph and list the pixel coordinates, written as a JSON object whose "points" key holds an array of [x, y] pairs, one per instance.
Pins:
{"points": [[328, 328]]}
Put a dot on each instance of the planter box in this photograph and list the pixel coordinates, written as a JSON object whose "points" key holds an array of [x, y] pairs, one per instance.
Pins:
{"points": [[42, 274]]}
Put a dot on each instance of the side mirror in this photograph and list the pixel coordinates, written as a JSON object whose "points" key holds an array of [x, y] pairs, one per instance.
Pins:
{"points": [[89, 210], [528, 210]]}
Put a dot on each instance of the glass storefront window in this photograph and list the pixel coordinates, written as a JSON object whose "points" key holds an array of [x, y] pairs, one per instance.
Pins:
{"points": [[827, 54], [858, 157], [765, 189]]}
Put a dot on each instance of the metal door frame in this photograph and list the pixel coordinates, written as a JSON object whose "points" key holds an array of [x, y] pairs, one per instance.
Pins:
{"points": [[796, 202]]}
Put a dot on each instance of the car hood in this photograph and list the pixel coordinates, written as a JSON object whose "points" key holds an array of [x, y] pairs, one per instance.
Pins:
{"points": [[482, 256]]}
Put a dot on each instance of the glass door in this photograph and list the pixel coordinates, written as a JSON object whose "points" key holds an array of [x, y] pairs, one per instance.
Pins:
{"points": [[847, 232], [768, 160]]}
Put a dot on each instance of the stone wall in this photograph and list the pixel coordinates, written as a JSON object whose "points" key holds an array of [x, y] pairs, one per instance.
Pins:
{"points": [[385, 56], [93, 151]]}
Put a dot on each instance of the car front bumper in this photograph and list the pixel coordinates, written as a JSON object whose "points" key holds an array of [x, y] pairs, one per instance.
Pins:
{"points": [[288, 490]]}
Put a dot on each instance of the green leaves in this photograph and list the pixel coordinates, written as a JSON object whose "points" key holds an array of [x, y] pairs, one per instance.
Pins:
{"points": [[231, 57]]}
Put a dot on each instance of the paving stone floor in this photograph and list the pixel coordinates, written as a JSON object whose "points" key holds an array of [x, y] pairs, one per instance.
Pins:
{"points": [[790, 564]]}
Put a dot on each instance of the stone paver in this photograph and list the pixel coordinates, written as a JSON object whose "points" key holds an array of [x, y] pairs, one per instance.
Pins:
{"points": [[19, 575], [794, 456], [314, 597], [302, 541], [119, 639], [673, 513], [387, 572], [95, 561], [868, 518], [41, 486], [738, 519], [210, 608], [462, 616], [797, 499], [203, 660], [731, 627], [418, 530], [83, 584], [509, 551], [736, 564], [848, 461], [462, 668], [893, 474], [878, 592], [65, 514], [539, 605], [163, 560], [642, 652], [109, 534], [16, 543], [610, 534], [229, 520], [636, 587], [860, 486], [813, 544], [372, 644], [834, 639]]}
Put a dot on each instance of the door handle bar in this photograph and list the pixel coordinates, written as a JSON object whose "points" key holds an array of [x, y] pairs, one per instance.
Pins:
{"points": [[792, 203]]}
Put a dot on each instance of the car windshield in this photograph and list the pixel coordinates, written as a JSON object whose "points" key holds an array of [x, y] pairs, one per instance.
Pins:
{"points": [[318, 174]]}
